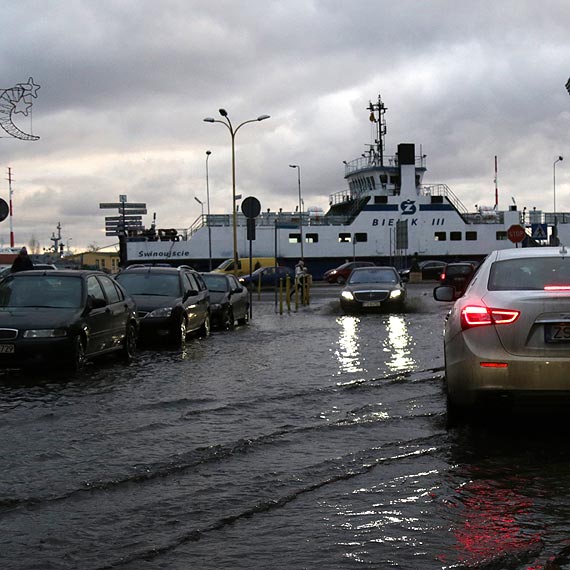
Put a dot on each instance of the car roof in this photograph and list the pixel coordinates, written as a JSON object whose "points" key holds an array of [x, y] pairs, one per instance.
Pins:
{"points": [[520, 252], [155, 269], [60, 272]]}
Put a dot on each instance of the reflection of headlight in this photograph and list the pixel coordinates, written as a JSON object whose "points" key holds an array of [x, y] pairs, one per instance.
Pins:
{"points": [[45, 333], [395, 293], [216, 306], [347, 295], [163, 312]]}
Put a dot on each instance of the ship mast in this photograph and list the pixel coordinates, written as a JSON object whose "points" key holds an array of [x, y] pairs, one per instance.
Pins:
{"points": [[377, 115]]}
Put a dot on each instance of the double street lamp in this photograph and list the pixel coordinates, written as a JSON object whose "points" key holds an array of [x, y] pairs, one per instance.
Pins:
{"points": [[300, 207], [226, 121]]}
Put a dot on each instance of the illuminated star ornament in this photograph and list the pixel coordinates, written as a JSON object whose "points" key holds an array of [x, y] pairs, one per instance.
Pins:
{"points": [[17, 99]]}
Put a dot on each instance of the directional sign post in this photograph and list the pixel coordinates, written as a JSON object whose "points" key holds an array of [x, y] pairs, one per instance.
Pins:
{"points": [[130, 217]]}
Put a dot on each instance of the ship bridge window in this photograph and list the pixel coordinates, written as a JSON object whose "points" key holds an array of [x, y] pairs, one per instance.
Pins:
{"points": [[501, 236], [383, 179], [294, 238], [344, 238], [371, 183], [360, 237], [312, 238], [471, 236], [395, 180], [455, 236], [440, 236]]}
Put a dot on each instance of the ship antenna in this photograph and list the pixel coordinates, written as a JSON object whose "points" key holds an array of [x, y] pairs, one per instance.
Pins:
{"points": [[377, 115]]}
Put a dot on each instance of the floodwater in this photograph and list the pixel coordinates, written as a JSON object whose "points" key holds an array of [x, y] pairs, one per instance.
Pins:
{"points": [[305, 440]]}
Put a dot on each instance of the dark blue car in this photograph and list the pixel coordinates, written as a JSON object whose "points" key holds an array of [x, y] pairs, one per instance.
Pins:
{"points": [[268, 277]]}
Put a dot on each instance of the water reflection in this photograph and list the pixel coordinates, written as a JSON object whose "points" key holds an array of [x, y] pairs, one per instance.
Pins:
{"points": [[398, 343], [348, 351]]}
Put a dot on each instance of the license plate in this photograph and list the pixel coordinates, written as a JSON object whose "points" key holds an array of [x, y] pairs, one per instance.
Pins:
{"points": [[6, 349], [559, 332], [372, 304]]}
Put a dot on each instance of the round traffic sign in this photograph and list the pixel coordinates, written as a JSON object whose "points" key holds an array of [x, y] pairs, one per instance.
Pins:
{"points": [[516, 233], [4, 210], [251, 207]]}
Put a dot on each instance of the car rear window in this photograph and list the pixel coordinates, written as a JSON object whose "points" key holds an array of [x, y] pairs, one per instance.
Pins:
{"points": [[528, 274]]}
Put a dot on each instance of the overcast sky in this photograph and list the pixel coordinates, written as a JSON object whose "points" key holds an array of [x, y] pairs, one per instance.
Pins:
{"points": [[125, 86]]}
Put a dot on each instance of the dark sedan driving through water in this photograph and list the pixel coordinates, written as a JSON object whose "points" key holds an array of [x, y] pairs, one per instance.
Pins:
{"points": [[372, 288]]}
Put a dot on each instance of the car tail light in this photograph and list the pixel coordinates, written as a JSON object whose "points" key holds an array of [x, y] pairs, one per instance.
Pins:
{"points": [[442, 276], [474, 316]]}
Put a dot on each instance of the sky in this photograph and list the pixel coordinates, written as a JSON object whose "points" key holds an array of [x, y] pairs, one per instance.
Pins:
{"points": [[125, 86]]}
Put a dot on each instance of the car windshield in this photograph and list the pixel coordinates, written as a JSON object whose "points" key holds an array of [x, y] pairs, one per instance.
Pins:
{"points": [[216, 283], [160, 284], [373, 275], [532, 273], [41, 291]]}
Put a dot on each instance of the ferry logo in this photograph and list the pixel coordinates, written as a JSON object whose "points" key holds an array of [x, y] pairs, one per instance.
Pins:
{"points": [[408, 207]]}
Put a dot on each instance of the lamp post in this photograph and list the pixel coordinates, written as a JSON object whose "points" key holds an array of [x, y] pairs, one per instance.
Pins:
{"points": [[228, 124], [201, 206], [208, 153], [559, 159], [300, 207]]}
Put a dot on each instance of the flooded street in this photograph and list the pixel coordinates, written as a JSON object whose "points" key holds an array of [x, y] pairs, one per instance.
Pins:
{"points": [[305, 440]]}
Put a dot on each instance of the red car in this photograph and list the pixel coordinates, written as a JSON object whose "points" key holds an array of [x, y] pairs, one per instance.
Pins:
{"points": [[340, 274]]}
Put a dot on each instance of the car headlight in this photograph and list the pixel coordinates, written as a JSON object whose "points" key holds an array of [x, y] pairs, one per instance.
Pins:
{"points": [[216, 306], [347, 295], [45, 333], [395, 293], [160, 313]]}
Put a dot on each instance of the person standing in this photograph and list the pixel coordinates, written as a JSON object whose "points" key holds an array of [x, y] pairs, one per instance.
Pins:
{"points": [[23, 261]]}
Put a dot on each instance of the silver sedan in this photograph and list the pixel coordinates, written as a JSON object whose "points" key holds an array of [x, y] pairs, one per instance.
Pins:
{"points": [[507, 338]]}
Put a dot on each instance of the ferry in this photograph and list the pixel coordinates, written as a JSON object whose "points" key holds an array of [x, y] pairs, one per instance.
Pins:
{"points": [[386, 214]]}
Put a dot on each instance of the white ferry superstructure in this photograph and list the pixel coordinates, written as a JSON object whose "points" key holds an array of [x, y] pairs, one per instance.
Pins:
{"points": [[385, 214]]}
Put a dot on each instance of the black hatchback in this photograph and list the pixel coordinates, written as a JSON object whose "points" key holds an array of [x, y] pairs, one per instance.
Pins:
{"points": [[64, 317], [171, 301]]}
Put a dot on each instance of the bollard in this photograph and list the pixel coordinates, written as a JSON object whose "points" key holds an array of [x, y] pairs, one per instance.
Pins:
{"points": [[288, 292], [259, 287], [281, 296]]}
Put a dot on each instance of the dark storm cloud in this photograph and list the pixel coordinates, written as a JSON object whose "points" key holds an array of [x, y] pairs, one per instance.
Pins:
{"points": [[125, 86]]}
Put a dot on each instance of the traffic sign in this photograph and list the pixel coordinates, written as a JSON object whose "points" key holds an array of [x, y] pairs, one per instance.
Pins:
{"points": [[539, 231], [251, 207], [4, 210], [516, 233], [121, 205]]}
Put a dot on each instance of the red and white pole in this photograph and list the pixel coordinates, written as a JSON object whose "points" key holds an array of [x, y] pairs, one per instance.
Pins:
{"points": [[11, 211]]}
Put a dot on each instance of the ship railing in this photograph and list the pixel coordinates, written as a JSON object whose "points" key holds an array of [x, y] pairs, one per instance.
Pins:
{"points": [[444, 190], [372, 160]]}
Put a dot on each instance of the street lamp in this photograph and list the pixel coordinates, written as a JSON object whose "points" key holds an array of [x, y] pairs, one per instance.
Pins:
{"points": [[233, 132], [201, 205], [208, 153], [300, 207], [559, 159]]}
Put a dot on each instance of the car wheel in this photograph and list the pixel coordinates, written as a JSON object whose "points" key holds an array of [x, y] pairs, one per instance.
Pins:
{"points": [[204, 330], [77, 358], [245, 319], [129, 344], [178, 334]]}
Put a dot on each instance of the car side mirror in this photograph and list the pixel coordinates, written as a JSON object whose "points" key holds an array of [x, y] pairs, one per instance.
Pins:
{"points": [[189, 293], [445, 293], [95, 303], [237, 290]]}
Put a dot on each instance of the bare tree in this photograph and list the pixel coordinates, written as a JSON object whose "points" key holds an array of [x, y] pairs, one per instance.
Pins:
{"points": [[34, 245]]}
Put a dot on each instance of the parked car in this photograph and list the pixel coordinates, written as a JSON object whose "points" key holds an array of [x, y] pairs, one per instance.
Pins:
{"points": [[340, 274], [370, 288], [65, 317], [457, 275], [171, 301], [507, 338], [229, 300], [268, 277]]}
